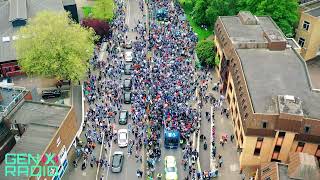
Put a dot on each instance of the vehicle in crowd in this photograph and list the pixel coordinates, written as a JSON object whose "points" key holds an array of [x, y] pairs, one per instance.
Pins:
{"points": [[127, 84], [171, 139], [128, 56], [127, 97], [52, 93], [123, 117], [122, 138], [127, 44], [128, 69], [170, 168], [117, 161]]}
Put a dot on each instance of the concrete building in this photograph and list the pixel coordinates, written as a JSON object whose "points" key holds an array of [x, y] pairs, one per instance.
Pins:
{"points": [[300, 166], [13, 15], [308, 33], [39, 128], [273, 105]]}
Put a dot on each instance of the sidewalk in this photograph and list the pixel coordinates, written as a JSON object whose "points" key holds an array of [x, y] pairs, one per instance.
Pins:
{"points": [[230, 167]]}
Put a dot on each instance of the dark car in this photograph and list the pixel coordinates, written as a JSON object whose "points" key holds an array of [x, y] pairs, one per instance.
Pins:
{"points": [[127, 97], [53, 93], [127, 84], [123, 117], [127, 69], [117, 161]]}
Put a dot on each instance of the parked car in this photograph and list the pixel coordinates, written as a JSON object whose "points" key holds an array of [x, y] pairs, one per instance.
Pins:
{"points": [[170, 168], [53, 93], [127, 97], [127, 84], [117, 161], [128, 69], [123, 117], [128, 56], [122, 137], [127, 45]]}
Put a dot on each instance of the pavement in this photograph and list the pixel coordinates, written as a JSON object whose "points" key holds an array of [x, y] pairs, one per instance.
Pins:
{"points": [[230, 168]]}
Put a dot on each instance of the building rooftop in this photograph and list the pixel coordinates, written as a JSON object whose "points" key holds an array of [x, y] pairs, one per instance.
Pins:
{"points": [[15, 10], [40, 113], [9, 97], [240, 31], [41, 120], [310, 4], [314, 12], [272, 73]]}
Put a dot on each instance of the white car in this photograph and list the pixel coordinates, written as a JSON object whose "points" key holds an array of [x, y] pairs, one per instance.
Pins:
{"points": [[122, 137], [128, 56]]}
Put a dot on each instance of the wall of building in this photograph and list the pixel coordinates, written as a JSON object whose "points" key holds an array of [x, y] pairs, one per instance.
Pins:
{"points": [[312, 36], [63, 137]]}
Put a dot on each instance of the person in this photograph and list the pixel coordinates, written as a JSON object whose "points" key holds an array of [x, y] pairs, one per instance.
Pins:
{"points": [[159, 176], [220, 162], [205, 146]]}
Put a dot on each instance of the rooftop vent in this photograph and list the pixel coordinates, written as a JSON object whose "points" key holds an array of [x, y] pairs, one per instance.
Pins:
{"points": [[247, 18], [6, 39]]}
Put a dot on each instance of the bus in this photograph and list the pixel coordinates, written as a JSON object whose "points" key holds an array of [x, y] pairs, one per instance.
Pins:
{"points": [[171, 139]]}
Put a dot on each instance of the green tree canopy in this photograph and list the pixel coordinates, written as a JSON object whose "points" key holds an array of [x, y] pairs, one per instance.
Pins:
{"points": [[199, 12], [205, 52], [52, 45], [103, 9], [284, 13]]}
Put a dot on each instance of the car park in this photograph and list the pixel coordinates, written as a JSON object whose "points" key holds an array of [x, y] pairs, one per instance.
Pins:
{"points": [[122, 138], [128, 56], [170, 167], [128, 69], [127, 84], [127, 97], [123, 117], [117, 161], [52, 93]]}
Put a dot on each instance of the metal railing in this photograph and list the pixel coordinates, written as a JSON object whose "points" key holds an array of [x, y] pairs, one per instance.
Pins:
{"points": [[5, 110]]}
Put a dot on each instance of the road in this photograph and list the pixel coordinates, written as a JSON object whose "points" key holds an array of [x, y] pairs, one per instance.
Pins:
{"points": [[130, 166]]}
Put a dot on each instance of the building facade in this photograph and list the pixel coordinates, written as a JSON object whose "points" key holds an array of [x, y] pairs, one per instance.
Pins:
{"points": [[273, 106], [307, 32]]}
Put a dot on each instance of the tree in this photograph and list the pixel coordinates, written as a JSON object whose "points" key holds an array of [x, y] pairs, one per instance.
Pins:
{"points": [[205, 52], [52, 45], [284, 13], [101, 28], [217, 8], [103, 10], [199, 12]]}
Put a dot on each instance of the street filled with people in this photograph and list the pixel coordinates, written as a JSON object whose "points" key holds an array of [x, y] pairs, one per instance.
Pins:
{"points": [[162, 96]]}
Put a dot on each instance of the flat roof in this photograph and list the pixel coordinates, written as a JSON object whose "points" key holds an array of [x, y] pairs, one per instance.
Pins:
{"points": [[239, 32], [314, 70], [314, 12], [40, 113], [272, 73], [42, 120]]}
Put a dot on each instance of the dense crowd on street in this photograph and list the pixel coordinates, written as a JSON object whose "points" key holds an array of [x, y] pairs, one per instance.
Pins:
{"points": [[164, 84]]}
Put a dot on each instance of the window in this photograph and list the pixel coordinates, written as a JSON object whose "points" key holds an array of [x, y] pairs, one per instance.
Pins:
{"points": [[300, 146], [318, 152], [280, 138], [240, 88], [275, 153], [307, 129], [301, 41], [306, 25], [244, 107], [264, 124], [258, 146]]}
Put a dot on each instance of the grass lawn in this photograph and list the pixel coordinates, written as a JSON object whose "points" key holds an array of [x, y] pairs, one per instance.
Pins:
{"points": [[202, 33], [86, 11]]}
